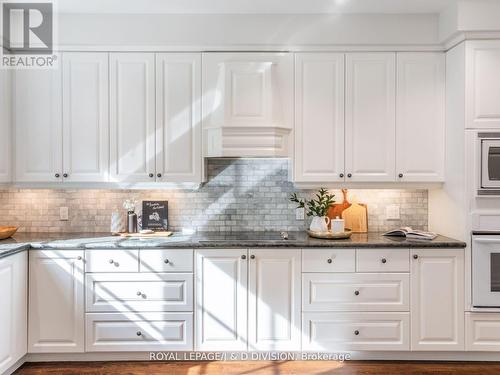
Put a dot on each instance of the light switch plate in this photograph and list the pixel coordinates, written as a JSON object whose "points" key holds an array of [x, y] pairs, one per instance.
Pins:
{"points": [[392, 212], [299, 214], [63, 213]]}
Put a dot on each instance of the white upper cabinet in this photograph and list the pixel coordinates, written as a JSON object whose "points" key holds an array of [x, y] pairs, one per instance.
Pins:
{"points": [[420, 121], [319, 117], [85, 117], [370, 116], [5, 126], [132, 117], [178, 117], [247, 104], [437, 299], [482, 84], [38, 125]]}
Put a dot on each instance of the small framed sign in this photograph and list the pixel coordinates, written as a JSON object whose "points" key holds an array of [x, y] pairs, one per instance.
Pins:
{"points": [[155, 215]]}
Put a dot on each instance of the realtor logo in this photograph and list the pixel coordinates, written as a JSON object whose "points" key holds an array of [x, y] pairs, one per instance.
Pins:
{"points": [[28, 34]]}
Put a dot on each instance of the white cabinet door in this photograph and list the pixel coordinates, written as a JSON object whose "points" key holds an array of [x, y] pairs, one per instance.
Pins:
{"points": [[482, 84], [420, 121], [437, 299], [14, 309], [132, 117], [56, 300], [5, 126], [319, 117], [274, 321], [221, 299], [370, 116], [178, 117], [38, 125], [85, 117]]}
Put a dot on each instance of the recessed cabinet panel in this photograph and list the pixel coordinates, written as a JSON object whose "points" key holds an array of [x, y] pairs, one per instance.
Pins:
{"points": [[178, 117], [38, 125], [85, 117], [482, 84], [420, 122], [132, 117], [319, 117], [370, 116]]}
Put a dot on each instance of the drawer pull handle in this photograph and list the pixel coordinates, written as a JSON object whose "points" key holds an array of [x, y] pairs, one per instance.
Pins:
{"points": [[139, 294], [252, 256], [243, 257], [415, 256], [166, 261], [139, 333], [329, 260], [383, 260], [111, 261], [356, 332], [356, 293]]}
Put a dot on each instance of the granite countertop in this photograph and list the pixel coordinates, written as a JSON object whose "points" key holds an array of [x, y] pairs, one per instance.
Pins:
{"points": [[24, 241]]}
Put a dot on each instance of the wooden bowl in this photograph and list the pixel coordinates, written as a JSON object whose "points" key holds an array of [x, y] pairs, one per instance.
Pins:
{"points": [[6, 232]]}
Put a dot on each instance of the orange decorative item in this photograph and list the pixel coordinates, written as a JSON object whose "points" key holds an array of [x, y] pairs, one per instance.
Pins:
{"points": [[337, 208], [6, 232]]}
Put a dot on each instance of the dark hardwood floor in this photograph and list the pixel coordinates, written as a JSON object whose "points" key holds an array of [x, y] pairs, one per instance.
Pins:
{"points": [[262, 368]]}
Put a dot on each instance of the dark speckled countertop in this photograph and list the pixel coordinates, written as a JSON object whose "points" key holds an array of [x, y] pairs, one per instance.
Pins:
{"points": [[25, 241]]}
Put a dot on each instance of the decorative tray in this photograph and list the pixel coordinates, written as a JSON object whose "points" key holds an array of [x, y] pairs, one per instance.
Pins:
{"points": [[331, 236]]}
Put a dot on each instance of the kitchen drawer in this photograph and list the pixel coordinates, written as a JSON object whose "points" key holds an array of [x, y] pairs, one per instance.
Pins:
{"points": [[131, 332], [139, 292], [329, 332], [112, 260], [157, 260], [328, 260], [355, 292], [383, 260], [482, 332]]}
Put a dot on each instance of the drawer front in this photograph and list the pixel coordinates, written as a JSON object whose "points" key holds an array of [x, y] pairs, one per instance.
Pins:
{"points": [[139, 292], [355, 292], [328, 260], [127, 333], [112, 260], [383, 260], [482, 331], [166, 260], [355, 331]]}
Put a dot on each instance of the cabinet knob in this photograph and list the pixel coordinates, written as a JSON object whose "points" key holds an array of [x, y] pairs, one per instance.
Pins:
{"points": [[341, 175], [356, 332], [356, 293], [65, 175], [158, 175], [243, 257], [151, 175], [57, 175], [349, 175], [383, 260], [415, 256], [79, 257], [139, 294], [329, 260], [400, 175], [166, 261], [139, 333], [111, 261], [252, 256]]}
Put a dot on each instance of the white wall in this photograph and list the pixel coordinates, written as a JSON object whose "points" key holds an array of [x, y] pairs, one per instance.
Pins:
{"points": [[244, 31]]}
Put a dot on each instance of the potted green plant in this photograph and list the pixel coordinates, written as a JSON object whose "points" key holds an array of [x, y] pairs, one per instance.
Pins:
{"points": [[317, 208]]}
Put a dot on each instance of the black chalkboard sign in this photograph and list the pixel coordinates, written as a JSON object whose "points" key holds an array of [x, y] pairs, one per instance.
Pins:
{"points": [[155, 215]]}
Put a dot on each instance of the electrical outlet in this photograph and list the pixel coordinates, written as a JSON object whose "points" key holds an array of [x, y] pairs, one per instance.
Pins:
{"points": [[63, 213], [392, 212], [299, 214]]}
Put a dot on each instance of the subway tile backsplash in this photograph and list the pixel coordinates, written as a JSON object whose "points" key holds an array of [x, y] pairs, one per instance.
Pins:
{"points": [[241, 194]]}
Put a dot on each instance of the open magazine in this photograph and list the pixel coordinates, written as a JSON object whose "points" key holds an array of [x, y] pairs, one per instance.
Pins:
{"points": [[411, 233]]}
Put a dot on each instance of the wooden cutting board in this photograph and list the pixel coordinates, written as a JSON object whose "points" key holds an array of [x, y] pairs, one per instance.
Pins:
{"points": [[336, 209], [151, 235], [356, 218]]}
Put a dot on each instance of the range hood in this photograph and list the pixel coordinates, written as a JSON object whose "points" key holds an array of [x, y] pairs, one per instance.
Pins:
{"points": [[247, 104]]}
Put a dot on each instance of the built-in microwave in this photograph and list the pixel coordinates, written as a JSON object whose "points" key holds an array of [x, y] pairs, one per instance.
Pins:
{"points": [[490, 163]]}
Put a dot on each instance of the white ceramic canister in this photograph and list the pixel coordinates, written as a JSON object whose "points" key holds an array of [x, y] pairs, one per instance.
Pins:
{"points": [[338, 225], [117, 223]]}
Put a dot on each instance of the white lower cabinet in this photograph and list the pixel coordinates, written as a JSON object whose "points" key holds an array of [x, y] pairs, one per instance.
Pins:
{"points": [[124, 332], [333, 331], [437, 299], [14, 309], [56, 301], [482, 332]]}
